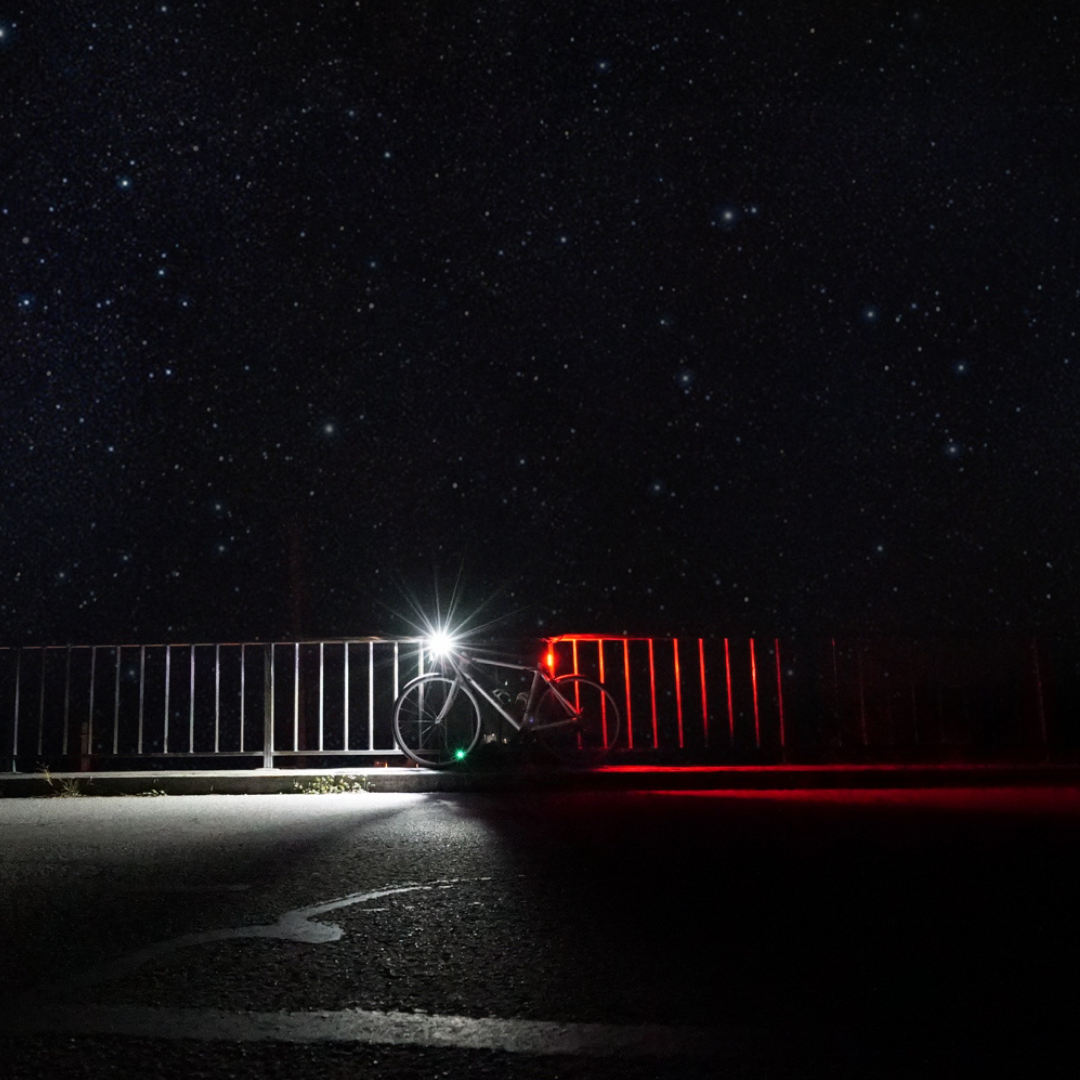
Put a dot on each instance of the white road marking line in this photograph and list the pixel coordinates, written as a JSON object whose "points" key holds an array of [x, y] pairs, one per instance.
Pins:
{"points": [[366, 1026], [292, 926], [39, 1014]]}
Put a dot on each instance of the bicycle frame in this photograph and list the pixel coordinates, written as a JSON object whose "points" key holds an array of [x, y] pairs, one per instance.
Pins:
{"points": [[458, 663]]}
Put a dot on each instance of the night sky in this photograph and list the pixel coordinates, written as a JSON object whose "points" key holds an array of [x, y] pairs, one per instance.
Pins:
{"points": [[650, 316]]}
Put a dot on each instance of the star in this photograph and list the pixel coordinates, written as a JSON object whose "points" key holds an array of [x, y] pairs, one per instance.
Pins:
{"points": [[725, 217]]}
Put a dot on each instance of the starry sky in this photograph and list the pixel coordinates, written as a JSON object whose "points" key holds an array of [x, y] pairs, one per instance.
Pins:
{"points": [[630, 316]]}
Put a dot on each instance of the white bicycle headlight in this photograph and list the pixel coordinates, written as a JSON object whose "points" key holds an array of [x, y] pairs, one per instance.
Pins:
{"points": [[440, 643]]}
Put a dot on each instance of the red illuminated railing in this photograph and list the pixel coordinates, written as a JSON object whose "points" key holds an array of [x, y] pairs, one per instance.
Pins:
{"points": [[662, 687], [869, 698]]}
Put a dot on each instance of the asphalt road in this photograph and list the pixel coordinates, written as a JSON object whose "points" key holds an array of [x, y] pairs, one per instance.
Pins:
{"points": [[853, 933]]}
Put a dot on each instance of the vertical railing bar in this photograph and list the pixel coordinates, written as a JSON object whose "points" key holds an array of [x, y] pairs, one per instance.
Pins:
{"points": [[217, 697], [67, 698], [90, 720], [322, 686], [780, 702], [678, 690], [296, 697], [396, 691], [168, 691], [603, 700], [652, 692], [753, 682], [704, 694], [142, 692], [243, 682], [269, 714], [191, 703], [18, 691], [41, 706], [575, 656], [730, 701], [626, 672], [345, 711], [116, 704], [371, 696]]}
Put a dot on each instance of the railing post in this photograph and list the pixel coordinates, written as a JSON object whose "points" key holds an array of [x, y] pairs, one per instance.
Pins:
{"points": [[191, 704], [296, 700], [268, 706], [15, 719], [730, 700], [116, 705], [678, 690], [67, 699], [87, 743], [322, 688], [142, 692], [217, 697], [754, 686], [345, 702], [371, 695], [652, 691], [41, 707], [704, 691], [243, 687]]}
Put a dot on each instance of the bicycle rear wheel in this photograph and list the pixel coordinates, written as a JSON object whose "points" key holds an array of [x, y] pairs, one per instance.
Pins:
{"points": [[436, 721], [577, 720]]}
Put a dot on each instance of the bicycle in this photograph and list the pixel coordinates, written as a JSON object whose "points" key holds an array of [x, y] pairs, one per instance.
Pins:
{"points": [[437, 719]]}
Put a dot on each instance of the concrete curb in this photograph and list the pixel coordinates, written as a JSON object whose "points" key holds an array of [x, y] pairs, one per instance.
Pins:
{"points": [[611, 778]]}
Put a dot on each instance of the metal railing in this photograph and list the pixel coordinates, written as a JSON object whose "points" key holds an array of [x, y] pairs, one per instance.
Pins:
{"points": [[831, 699], [189, 700], [738, 699]]}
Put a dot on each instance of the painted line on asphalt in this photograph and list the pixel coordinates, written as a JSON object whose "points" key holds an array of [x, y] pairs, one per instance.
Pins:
{"points": [[366, 1026], [41, 1014], [294, 925]]}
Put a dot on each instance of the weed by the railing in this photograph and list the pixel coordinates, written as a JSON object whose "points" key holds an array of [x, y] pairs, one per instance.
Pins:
{"points": [[62, 787], [149, 794], [331, 785]]}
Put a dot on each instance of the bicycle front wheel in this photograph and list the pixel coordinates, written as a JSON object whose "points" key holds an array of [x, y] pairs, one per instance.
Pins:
{"points": [[436, 721], [577, 720]]}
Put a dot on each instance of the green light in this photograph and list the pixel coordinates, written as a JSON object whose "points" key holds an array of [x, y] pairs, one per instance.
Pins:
{"points": [[459, 754]]}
